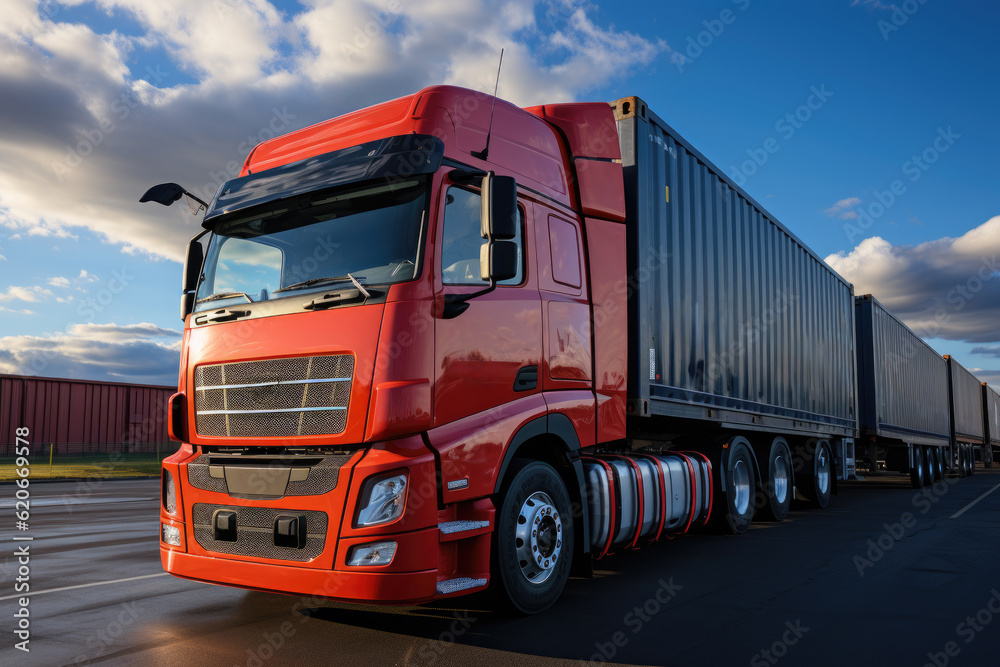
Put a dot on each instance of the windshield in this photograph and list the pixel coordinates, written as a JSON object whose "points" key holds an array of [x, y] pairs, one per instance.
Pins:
{"points": [[368, 234]]}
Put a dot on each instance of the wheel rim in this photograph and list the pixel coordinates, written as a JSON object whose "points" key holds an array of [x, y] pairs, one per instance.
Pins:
{"points": [[741, 487], [780, 479], [538, 538], [823, 470]]}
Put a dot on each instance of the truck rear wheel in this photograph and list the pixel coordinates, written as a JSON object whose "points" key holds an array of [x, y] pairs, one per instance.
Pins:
{"points": [[917, 470], [533, 549], [775, 498], [737, 485], [817, 475]]}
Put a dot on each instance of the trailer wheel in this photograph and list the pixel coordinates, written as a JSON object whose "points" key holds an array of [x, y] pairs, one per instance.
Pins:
{"points": [[962, 467], [937, 465], [817, 475], [739, 490], [533, 549], [929, 466], [917, 468], [775, 498], [971, 458]]}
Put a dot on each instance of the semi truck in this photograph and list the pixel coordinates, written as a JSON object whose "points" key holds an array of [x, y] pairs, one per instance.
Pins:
{"points": [[445, 344], [905, 405], [991, 422]]}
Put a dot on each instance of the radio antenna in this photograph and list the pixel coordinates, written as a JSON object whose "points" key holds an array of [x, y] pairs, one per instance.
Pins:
{"points": [[485, 153]]}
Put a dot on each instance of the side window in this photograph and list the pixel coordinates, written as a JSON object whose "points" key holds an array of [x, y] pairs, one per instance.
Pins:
{"points": [[462, 240]]}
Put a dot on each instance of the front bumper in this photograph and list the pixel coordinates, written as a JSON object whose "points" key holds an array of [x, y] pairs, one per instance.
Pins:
{"points": [[432, 559], [358, 585]]}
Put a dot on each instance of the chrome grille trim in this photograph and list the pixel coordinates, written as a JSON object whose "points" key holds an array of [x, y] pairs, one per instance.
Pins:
{"points": [[283, 397], [268, 384], [263, 412]]}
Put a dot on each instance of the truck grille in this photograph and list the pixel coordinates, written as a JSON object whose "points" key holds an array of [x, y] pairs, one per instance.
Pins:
{"points": [[274, 397], [255, 532], [322, 476]]}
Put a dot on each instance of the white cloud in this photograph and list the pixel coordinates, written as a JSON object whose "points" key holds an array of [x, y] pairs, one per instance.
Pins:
{"points": [[86, 277], [23, 311], [59, 281], [79, 123], [842, 209], [115, 333], [141, 353], [948, 288], [15, 293]]}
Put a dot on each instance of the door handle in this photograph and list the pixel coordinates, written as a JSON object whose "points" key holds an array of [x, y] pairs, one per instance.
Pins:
{"points": [[527, 379]]}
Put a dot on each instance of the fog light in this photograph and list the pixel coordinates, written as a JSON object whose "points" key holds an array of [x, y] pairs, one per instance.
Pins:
{"points": [[375, 553], [170, 535]]}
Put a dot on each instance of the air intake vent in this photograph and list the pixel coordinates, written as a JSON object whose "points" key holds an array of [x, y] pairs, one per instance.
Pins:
{"points": [[273, 397]]}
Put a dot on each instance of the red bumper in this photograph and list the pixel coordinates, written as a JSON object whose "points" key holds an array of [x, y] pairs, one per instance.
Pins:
{"points": [[356, 586]]}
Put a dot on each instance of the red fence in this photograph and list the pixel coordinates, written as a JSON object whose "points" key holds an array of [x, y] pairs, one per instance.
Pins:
{"points": [[80, 416]]}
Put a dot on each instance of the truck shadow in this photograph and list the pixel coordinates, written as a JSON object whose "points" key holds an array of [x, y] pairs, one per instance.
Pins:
{"points": [[586, 618]]}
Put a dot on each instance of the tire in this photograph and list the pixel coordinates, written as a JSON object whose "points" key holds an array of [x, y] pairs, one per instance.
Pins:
{"points": [[736, 496], [917, 468], [971, 458], [963, 464], [937, 466], [774, 499], [535, 518], [817, 475], [929, 465]]}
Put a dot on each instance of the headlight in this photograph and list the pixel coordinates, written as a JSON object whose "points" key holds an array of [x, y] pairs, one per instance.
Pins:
{"points": [[375, 553], [169, 494], [382, 500]]}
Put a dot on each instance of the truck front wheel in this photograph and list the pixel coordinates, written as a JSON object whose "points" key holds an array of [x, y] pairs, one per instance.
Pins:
{"points": [[533, 549]]}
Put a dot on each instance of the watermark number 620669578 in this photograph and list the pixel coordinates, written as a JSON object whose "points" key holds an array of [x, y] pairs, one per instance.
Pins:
{"points": [[22, 514]]}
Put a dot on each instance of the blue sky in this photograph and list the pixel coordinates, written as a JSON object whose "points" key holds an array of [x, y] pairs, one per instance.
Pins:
{"points": [[867, 127]]}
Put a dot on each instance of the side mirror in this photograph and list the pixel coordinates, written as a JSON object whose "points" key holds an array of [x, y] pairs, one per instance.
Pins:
{"points": [[164, 193], [499, 212], [193, 261], [498, 260], [168, 193]]}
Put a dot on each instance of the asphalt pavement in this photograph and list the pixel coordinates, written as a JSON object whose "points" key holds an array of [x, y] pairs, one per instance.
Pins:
{"points": [[886, 575]]}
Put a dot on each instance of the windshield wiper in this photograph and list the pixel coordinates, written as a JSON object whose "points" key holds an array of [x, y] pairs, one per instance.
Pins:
{"points": [[327, 281], [226, 295]]}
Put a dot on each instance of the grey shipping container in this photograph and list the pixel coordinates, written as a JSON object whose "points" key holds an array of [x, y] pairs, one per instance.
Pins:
{"points": [[991, 414], [902, 381], [965, 392], [735, 320]]}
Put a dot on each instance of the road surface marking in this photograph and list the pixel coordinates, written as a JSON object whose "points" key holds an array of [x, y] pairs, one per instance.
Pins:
{"points": [[96, 583], [73, 500], [969, 506]]}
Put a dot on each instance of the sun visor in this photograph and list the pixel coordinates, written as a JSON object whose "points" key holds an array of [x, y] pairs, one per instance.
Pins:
{"points": [[390, 158]]}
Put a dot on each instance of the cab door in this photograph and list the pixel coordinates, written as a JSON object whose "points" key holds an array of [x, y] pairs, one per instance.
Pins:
{"points": [[489, 354]]}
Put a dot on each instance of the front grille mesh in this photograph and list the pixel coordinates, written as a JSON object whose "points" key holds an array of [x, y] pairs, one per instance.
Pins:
{"points": [[255, 532], [274, 397], [322, 476]]}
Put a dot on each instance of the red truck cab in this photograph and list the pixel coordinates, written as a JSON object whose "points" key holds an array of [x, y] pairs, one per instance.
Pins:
{"points": [[363, 414]]}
